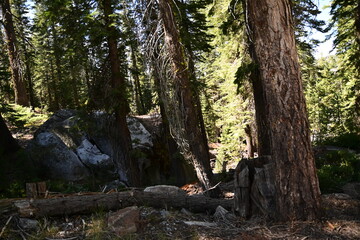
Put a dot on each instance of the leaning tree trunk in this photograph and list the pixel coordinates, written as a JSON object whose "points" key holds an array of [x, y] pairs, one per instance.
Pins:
{"points": [[279, 87], [121, 136], [21, 97], [197, 147]]}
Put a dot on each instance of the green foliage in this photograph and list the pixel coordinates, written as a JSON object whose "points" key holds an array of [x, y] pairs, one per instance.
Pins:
{"points": [[348, 140], [60, 186], [22, 117], [226, 72], [6, 92], [337, 168], [331, 100]]}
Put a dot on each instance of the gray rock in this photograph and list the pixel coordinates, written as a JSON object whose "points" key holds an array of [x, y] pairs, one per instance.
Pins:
{"points": [[140, 137], [165, 189], [28, 224], [164, 214], [221, 214], [56, 159], [91, 156], [352, 189], [72, 147]]}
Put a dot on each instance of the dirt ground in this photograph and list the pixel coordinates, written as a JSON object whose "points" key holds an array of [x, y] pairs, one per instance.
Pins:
{"points": [[341, 220]]}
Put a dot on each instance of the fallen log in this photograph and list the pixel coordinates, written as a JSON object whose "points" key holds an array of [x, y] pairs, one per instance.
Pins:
{"points": [[78, 204]]}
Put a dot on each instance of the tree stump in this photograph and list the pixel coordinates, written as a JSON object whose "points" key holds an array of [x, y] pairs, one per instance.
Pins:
{"points": [[36, 190], [254, 187]]}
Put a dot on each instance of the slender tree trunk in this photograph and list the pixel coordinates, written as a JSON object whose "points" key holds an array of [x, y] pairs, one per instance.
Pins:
{"points": [[197, 100], [54, 86], [21, 97], [59, 75], [123, 159], [48, 87], [249, 142], [194, 82], [74, 83], [29, 78], [197, 146], [138, 93], [279, 89]]}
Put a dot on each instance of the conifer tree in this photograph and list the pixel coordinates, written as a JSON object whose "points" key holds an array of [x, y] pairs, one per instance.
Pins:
{"points": [[21, 97], [193, 144], [346, 20], [297, 193], [123, 159]]}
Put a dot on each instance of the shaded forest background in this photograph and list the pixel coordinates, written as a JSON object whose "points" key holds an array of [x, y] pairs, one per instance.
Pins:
{"points": [[62, 59]]}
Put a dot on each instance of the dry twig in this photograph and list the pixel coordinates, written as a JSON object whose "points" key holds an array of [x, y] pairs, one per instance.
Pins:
{"points": [[4, 228]]}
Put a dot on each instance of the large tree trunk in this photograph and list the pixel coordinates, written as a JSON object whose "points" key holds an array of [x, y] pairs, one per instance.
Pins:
{"points": [[21, 97], [122, 146], [87, 203], [283, 113], [198, 149]]}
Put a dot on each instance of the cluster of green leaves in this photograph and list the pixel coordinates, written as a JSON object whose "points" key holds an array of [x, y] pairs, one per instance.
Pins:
{"points": [[337, 168]]}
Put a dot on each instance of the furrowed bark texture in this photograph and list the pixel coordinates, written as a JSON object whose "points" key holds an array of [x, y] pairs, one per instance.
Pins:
{"points": [[198, 147], [21, 97], [121, 134], [297, 191]]}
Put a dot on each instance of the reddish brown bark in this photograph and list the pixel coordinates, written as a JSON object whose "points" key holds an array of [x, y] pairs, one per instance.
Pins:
{"points": [[21, 97], [122, 140], [198, 149], [284, 116]]}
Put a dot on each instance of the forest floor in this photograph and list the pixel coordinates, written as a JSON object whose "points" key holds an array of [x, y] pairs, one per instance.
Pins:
{"points": [[341, 220]]}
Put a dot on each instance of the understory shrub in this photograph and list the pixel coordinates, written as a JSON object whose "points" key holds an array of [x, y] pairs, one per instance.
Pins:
{"points": [[337, 168]]}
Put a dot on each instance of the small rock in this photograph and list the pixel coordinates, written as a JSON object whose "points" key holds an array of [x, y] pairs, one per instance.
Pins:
{"points": [[223, 214], [164, 213], [352, 189], [165, 189], [124, 221], [186, 212], [28, 224]]}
